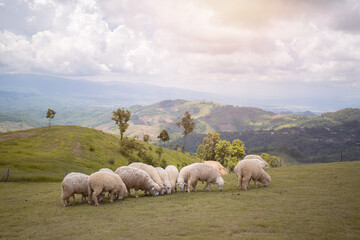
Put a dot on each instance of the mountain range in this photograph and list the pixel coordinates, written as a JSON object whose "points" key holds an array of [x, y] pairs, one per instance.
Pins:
{"points": [[24, 102]]}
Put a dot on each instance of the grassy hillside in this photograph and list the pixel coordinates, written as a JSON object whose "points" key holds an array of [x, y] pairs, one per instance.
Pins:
{"points": [[45, 154], [318, 201]]}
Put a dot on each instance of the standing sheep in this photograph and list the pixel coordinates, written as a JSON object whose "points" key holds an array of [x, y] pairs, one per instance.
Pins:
{"points": [[73, 183], [259, 160], [152, 172], [105, 182], [183, 177], [165, 178], [204, 172], [173, 174], [138, 179], [246, 170]]}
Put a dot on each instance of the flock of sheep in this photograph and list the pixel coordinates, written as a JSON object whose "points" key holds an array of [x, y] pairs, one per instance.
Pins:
{"points": [[156, 181]]}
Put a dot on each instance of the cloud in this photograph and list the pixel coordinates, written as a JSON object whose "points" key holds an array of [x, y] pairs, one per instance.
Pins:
{"points": [[205, 44]]}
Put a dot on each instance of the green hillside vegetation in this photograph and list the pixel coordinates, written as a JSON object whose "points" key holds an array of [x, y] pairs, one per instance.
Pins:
{"points": [[44, 154], [317, 201]]}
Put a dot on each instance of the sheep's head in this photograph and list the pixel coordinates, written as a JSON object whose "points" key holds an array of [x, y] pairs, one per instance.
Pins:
{"points": [[220, 183], [168, 189], [266, 179], [181, 186]]}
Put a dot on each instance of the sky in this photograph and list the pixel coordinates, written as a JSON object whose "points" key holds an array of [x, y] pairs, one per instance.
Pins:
{"points": [[278, 52]]}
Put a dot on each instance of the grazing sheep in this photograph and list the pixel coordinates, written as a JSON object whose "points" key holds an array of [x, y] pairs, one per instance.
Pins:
{"points": [[138, 179], [183, 177], [165, 178], [248, 169], [221, 169], [105, 182], [173, 174], [204, 172], [259, 160], [74, 183], [152, 172]]}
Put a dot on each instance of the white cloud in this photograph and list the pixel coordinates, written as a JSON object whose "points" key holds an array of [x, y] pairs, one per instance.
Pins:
{"points": [[206, 44]]}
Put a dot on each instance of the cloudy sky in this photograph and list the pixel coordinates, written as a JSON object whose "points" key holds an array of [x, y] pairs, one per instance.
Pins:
{"points": [[302, 52]]}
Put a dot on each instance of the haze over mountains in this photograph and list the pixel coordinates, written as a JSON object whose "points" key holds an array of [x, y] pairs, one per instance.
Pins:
{"points": [[40, 91]]}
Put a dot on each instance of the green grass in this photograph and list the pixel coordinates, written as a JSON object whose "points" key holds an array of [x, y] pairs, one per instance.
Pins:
{"points": [[319, 201], [44, 154]]}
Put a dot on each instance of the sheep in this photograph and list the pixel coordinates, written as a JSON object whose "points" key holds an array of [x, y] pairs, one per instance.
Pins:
{"points": [[74, 183], [173, 174], [221, 169], [107, 182], [105, 170], [259, 160], [137, 179], [183, 177], [248, 169], [204, 172], [165, 178], [152, 172]]}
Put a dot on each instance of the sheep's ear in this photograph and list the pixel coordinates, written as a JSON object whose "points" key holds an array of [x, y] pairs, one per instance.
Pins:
{"points": [[153, 189]]}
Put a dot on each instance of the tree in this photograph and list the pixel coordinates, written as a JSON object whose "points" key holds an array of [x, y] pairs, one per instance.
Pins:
{"points": [[223, 152], [273, 161], [121, 117], [238, 149], [188, 124], [237, 152], [50, 114], [206, 150], [164, 136], [146, 137]]}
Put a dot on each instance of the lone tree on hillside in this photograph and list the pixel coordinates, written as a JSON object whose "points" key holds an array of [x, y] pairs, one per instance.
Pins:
{"points": [[164, 136], [188, 124], [50, 114], [121, 117]]}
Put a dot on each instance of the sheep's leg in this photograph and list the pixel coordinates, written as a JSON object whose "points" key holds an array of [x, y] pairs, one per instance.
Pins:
{"points": [[240, 181], [136, 193], [65, 198], [245, 182], [256, 183], [74, 197], [194, 186], [112, 196], [95, 194], [189, 185], [207, 186]]}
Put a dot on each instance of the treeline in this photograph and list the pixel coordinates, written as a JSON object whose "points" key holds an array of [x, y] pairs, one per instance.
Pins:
{"points": [[305, 145]]}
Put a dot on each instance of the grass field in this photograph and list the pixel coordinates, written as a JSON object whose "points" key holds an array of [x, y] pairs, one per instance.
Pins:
{"points": [[302, 202], [44, 154]]}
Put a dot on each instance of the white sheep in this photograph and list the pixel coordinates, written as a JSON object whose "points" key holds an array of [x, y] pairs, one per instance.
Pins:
{"points": [[138, 179], [183, 177], [152, 172], [206, 173], [247, 170], [106, 170], [259, 160], [99, 182], [173, 174], [74, 183], [165, 178]]}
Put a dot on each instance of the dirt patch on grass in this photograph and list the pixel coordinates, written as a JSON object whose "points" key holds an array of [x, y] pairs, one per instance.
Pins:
{"points": [[77, 149], [10, 136]]}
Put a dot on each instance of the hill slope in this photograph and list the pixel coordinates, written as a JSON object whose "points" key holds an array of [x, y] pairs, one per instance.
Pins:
{"points": [[46, 154]]}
